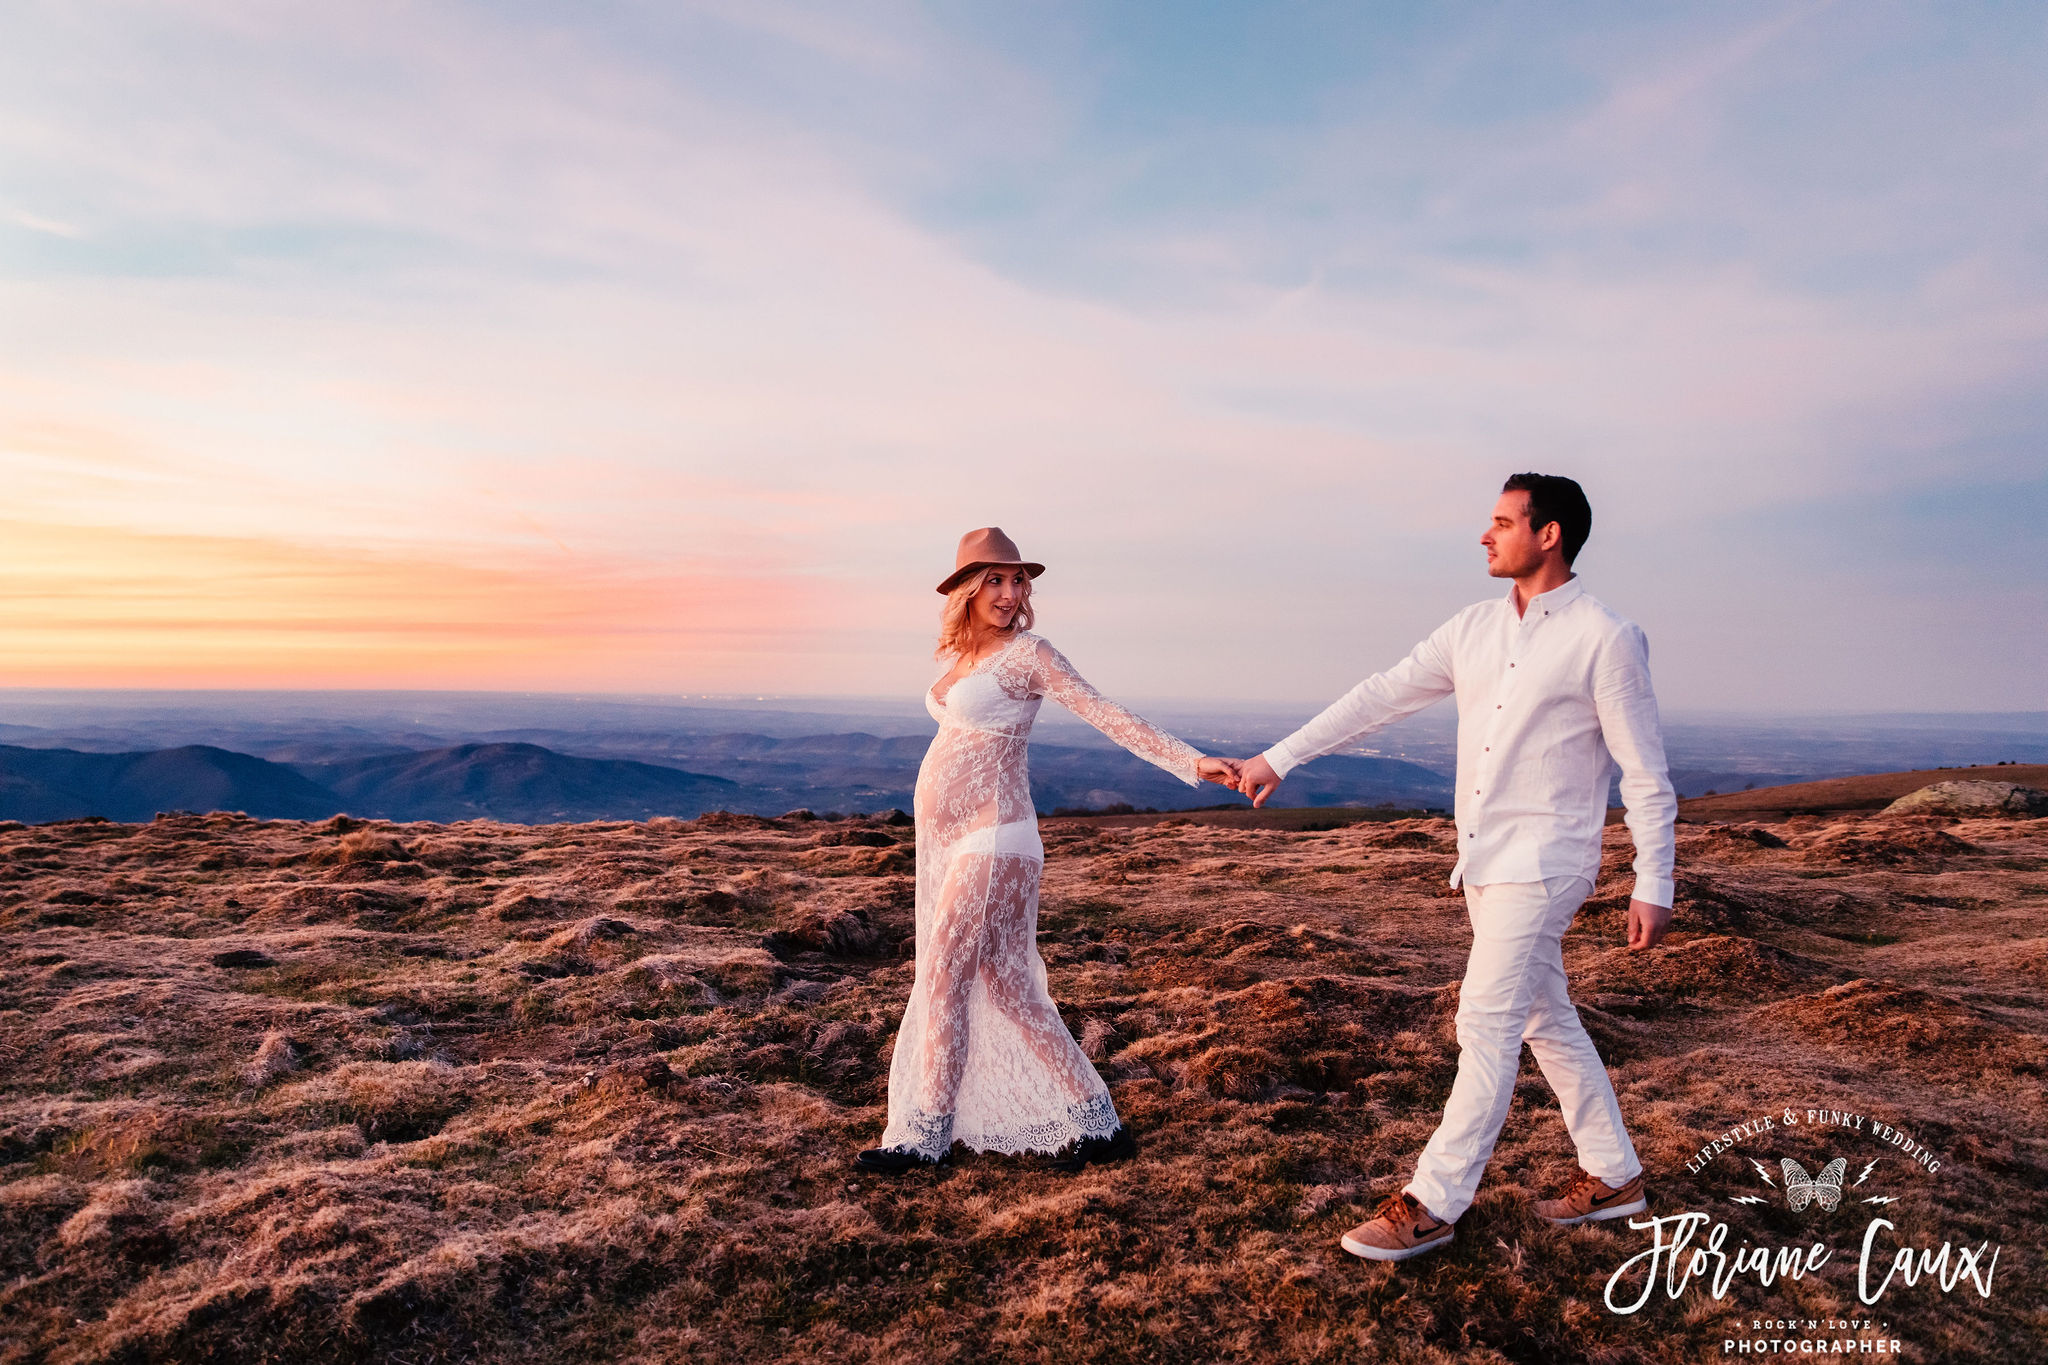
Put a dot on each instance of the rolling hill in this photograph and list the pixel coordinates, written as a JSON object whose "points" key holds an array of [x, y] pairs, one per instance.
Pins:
{"points": [[520, 784], [60, 784]]}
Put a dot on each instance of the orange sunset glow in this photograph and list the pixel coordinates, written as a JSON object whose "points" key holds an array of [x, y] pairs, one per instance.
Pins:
{"points": [[97, 606]]}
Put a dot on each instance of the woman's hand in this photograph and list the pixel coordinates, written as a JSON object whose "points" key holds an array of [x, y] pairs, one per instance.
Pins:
{"points": [[1221, 771]]}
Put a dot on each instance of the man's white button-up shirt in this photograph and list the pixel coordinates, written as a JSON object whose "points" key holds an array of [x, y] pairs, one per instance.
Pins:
{"points": [[1548, 702]]}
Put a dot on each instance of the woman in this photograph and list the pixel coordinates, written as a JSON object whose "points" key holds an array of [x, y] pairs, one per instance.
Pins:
{"points": [[982, 1056]]}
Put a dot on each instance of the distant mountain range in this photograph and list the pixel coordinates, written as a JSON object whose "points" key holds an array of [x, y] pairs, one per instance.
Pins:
{"points": [[529, 784], [533, 759]]}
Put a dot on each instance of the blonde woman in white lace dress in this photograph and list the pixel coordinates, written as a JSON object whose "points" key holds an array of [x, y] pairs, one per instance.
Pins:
{"points": [[982, 1056]]}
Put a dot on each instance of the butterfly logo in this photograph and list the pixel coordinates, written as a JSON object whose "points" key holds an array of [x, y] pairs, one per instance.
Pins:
{"points": [[1824, 1189]]}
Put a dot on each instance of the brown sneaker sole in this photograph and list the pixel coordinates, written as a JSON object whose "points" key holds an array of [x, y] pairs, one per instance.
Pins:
{"points": [[1373, 1253], [1618, 1211]]}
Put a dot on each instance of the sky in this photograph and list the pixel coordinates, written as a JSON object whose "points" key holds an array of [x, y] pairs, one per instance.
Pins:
{"points": [[669, 348]]}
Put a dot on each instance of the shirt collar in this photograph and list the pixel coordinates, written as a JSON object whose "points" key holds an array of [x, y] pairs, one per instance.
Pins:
{"points": [[1552, 600]]}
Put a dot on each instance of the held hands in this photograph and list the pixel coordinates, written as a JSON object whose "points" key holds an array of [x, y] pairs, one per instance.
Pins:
{"points": [[1646, 924], [1254, 777]]}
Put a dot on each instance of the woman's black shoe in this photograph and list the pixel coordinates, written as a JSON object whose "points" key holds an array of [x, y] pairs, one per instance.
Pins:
{"points": [[895, 1161], [1121, 1145]]}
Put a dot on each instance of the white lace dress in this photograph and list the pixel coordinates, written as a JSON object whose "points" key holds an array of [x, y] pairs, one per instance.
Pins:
{"points": [[983, 1056]]}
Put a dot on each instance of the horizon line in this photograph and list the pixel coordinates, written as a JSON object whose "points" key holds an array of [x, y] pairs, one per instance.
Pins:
{"points": [[786, 698]]}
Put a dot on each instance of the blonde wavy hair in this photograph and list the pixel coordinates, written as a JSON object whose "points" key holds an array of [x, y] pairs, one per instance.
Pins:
{"points": [[956, 618]]}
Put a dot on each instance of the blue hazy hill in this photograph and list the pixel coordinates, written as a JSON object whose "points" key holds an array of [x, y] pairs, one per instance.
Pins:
{"points": [[59, 784], [520, 783]]}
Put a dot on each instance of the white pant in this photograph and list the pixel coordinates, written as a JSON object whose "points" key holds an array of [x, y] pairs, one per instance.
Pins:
{"points": [[1515, 992]]}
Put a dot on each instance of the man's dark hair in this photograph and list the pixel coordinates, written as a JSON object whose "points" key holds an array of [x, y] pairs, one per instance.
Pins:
{"points": [[1552, 497]]}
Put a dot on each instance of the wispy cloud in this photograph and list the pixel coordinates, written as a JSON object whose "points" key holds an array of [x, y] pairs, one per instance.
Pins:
{"points": [[35, 222]]}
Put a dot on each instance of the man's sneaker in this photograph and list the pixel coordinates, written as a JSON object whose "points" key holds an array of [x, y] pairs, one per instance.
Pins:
{"points": [[1399, 1228], [1587, 1200]]}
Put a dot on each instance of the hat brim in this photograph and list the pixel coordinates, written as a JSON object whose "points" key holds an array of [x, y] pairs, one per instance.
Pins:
{"points": [[967, 571]]}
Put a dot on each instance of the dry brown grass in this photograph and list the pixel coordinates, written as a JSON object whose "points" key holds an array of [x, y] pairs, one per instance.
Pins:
{"points": [[276, 1091]]}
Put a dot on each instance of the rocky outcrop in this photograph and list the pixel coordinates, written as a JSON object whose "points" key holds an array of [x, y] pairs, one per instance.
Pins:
{"points": [[1973, 799]]}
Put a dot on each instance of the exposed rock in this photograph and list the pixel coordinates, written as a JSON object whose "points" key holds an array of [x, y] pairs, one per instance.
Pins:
{"points": [[1979, 799]]}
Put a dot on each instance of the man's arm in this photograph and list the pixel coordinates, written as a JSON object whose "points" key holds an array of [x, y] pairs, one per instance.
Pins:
{"points": [[1421, 678], [1628, 721]]}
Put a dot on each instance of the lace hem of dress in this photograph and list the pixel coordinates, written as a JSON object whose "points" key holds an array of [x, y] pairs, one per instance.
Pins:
{"points": [[929, 1135], [1090, 1118], [933, 1135]]}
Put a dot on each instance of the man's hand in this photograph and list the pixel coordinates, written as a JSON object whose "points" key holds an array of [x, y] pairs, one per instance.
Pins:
{"points": [[1646, 924], [1256, 779], [1221, 771]]}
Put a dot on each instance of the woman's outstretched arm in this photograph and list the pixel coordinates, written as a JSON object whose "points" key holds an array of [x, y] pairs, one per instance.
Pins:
{"points": [[1053, 676]]}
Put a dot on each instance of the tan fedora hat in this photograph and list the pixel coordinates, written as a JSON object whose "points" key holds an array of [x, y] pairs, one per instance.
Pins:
{"points": [[984, 549]]}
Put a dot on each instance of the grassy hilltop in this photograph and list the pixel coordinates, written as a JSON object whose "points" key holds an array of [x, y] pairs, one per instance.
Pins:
{"points": [[289, 1091]]}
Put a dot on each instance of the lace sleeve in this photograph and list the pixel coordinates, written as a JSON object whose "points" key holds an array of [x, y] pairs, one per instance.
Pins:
{"points": [[1053, 676]]}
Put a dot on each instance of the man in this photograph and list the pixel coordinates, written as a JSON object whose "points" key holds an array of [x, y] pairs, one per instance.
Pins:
{"points": [[1553, 688]]}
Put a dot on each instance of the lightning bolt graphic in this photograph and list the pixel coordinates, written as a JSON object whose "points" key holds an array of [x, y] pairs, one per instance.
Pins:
{"points": [[1746, 1199], [1764, 1173], [1882, 1199], [1866, 1172]]}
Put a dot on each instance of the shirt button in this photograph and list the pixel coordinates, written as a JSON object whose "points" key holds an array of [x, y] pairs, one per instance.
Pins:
{"points": [[1510, 665]]}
